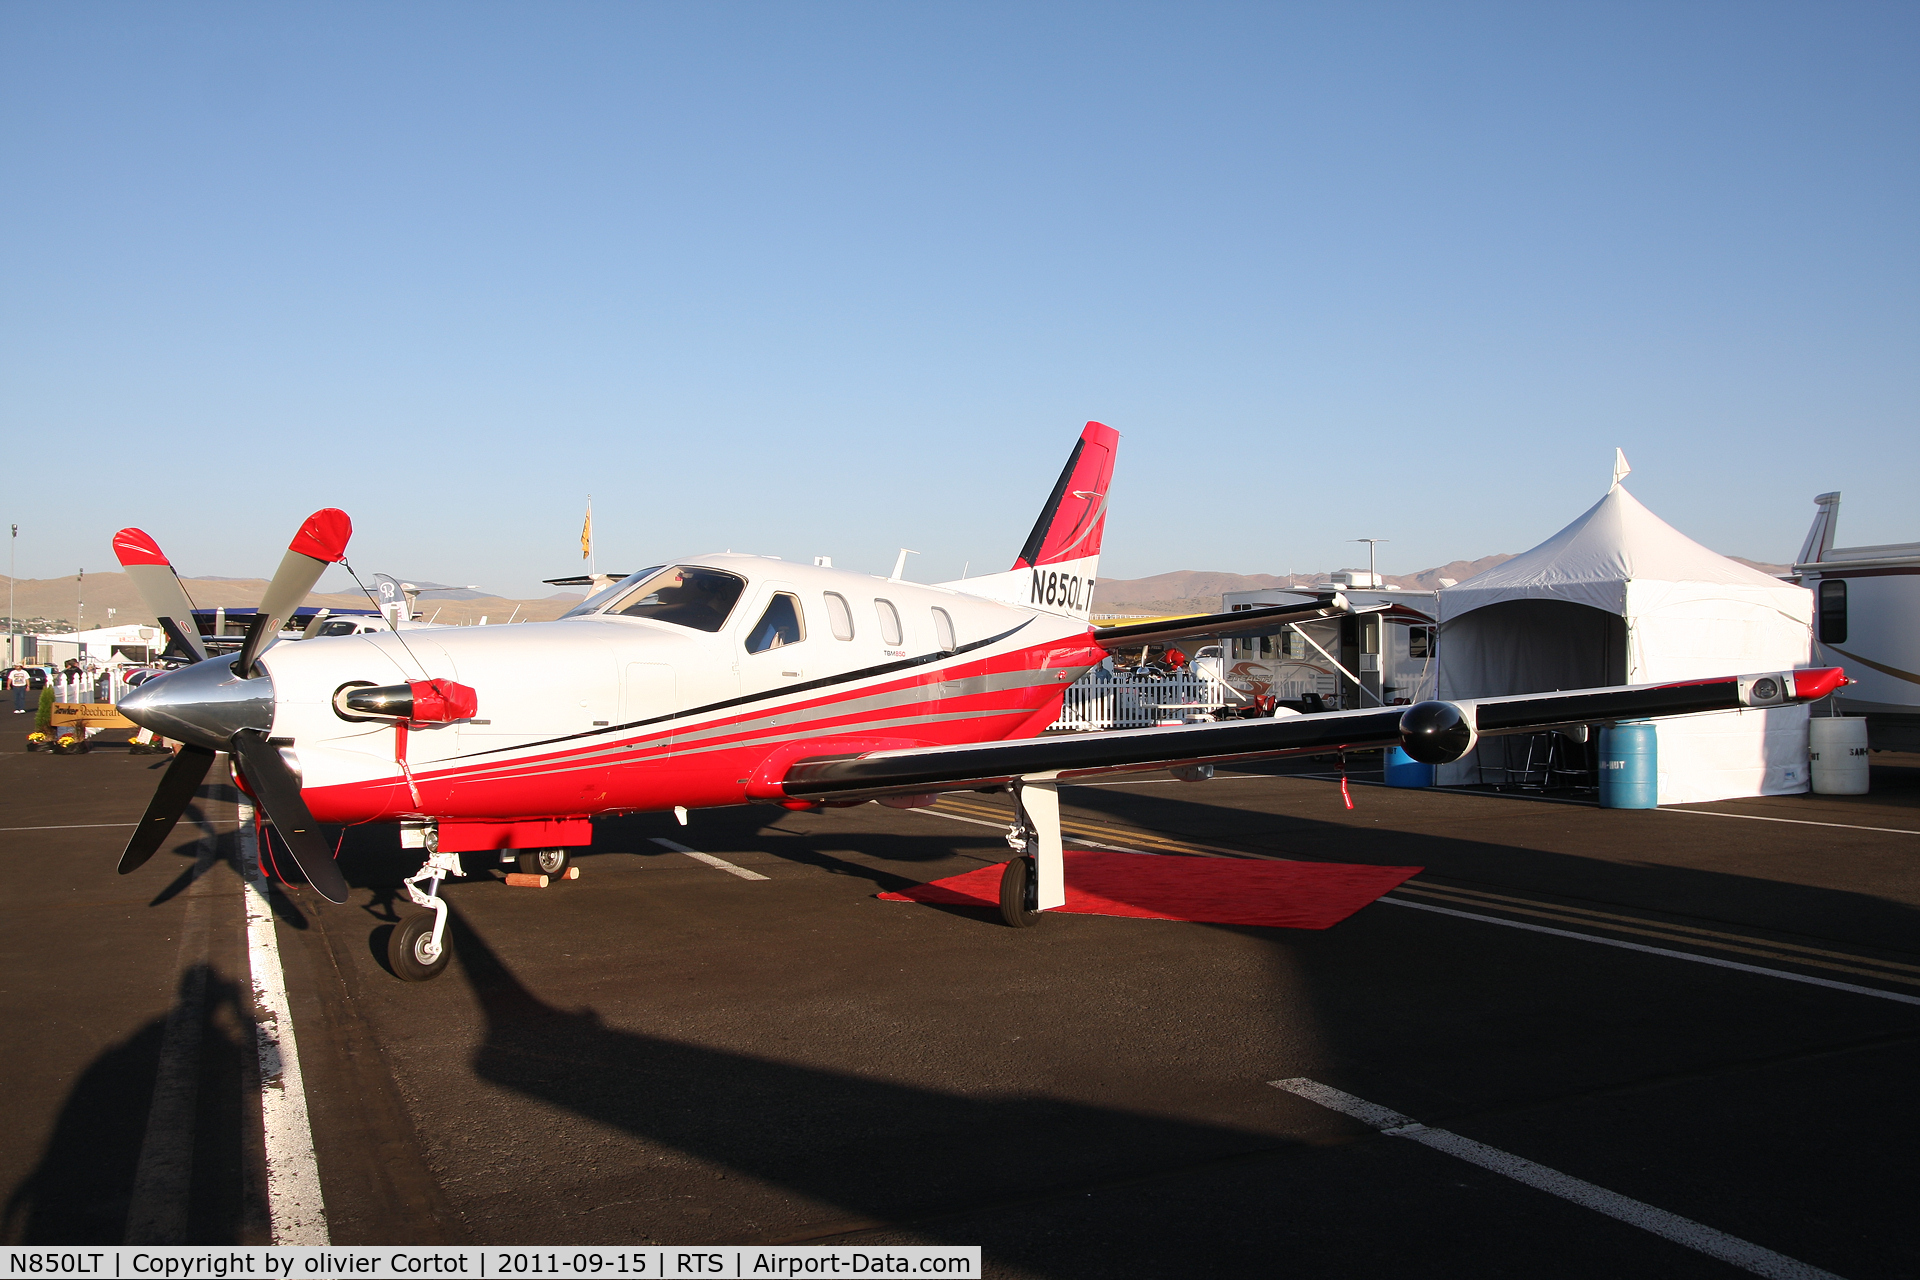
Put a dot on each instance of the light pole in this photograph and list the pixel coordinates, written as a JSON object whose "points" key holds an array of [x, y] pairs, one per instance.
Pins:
{"points": [[1370, 541], [12, 543]]}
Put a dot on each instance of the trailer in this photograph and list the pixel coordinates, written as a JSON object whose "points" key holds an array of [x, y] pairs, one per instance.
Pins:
{"points": [[1867, 619], [1381, 655]]}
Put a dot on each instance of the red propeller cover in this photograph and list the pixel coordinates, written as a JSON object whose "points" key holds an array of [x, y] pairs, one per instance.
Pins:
{"points": [[323, 536], [136, 546]]}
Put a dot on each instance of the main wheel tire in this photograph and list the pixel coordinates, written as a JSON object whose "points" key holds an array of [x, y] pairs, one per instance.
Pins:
{"points": [[1020, 893], [544, 862], [407, 950]]}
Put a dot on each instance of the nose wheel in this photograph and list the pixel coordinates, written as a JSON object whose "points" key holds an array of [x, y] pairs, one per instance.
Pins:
{"points": [[415, 949]]}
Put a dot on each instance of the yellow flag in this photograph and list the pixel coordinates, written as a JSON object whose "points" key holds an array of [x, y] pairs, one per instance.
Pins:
{"points": [[586, 534]]}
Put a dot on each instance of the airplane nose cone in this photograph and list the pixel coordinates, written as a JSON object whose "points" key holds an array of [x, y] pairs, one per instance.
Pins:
{"points": [[205, 704]]}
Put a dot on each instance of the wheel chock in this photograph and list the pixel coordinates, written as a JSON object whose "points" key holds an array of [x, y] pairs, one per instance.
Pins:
{"points": [[520, 880], [572, 873]]}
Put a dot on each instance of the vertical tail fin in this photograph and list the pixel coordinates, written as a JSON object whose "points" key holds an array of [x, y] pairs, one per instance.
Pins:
{"points": [[1826, 519], [1055, 570], [1075, 517]]}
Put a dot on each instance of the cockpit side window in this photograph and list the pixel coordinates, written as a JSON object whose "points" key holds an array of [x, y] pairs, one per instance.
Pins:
{"points": [[778, 627], [338, 627], [687, 595]]}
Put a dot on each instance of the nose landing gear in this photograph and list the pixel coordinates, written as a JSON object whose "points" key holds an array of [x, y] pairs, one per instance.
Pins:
{"points": [[417, 949]]}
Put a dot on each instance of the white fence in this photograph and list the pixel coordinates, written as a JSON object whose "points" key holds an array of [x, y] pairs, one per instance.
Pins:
{"points": [[1132, 702], [89, 688]]}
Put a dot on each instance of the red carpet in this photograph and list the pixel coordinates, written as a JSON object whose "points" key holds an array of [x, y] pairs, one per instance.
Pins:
{"points": [[1287, 895]]}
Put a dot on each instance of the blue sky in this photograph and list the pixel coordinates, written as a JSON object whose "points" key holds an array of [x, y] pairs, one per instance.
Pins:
{"points": [[835, 279]]}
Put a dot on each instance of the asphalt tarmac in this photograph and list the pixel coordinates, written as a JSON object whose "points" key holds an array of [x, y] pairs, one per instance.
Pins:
{"points": [[664, 1051]]}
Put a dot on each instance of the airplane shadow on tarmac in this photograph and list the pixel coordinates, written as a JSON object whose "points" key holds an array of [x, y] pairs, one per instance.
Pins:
{"points": [[883, 1152], [82, 1188]]}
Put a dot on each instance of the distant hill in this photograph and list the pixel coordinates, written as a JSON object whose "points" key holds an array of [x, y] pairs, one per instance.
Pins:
{"points": [[54, 598]]}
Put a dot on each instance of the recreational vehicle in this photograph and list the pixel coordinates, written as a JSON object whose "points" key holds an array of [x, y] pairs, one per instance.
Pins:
{"points": [[1867, 619]]}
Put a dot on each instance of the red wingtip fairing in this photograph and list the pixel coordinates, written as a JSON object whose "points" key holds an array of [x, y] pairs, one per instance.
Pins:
{"points": [[1075, 517], [135, 546], [324, 535], [1817, 682]]}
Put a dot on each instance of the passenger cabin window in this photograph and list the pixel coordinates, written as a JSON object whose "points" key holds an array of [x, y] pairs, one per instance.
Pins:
{"points": [[943, 630], [1833, 611], [889, 621], [685, 595], [839, 616], [778, 627]]}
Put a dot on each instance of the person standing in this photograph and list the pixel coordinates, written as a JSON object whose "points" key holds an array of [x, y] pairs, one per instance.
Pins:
{"points": [[18, 680]]}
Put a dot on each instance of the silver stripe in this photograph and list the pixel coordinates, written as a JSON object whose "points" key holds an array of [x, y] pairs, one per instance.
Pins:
{"points": [[921, 693]]}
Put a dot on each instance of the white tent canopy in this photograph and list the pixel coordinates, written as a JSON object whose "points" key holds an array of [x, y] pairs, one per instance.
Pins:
{"points": [[1621, 597]]}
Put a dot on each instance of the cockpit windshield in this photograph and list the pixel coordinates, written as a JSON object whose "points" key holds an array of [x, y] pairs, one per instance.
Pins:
{"points": [[593, 602], [686, 595]]}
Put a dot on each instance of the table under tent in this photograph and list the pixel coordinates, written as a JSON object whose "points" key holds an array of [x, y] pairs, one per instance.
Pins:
{"points": [[1621, 597]]}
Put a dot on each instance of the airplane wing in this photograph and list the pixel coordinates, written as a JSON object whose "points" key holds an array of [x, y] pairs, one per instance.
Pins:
{"points": [[1435, 732], [1263, 621]]}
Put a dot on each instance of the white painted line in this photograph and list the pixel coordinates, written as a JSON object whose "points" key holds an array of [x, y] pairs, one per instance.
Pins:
{"points": [[1635, 1213], [163, 1177], [1002, 826], [1659, 951], [73, 826], [1798, 822], [1144, 782], [82, 826], [710, 860], [295, 1209]]}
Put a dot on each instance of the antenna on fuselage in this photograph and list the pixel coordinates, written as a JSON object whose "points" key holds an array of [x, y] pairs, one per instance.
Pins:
{"points": [[900, 565]]}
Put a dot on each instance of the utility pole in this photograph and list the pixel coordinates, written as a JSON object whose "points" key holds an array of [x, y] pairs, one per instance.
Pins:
{"points": [[12, 543], [79, 605], [1371, 572]]}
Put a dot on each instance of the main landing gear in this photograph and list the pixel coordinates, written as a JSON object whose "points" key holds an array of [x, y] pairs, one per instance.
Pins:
{"points": [[1034, 879], [417, 948], [538, 862]]}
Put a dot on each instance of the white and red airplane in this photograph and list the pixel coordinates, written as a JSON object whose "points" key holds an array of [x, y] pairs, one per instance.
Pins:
{"points": [[740, 679]]}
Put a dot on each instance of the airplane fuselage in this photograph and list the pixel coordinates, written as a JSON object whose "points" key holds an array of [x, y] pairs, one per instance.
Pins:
{"points": [[602, 712]]}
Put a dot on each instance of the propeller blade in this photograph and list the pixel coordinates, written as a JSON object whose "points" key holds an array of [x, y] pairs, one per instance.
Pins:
{"points": [[322, 540], [160, 590], [278, 792], [170, 799]]}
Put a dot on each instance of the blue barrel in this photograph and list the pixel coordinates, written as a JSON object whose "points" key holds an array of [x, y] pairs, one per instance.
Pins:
{"points": [[1404, 771], [1629, 773]]}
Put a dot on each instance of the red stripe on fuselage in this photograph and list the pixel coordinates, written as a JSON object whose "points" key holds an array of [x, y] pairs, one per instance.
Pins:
{"points": [[705, 762]]}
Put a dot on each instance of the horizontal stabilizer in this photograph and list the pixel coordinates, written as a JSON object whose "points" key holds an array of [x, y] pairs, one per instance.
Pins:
{"points": [[1263, 621]]}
